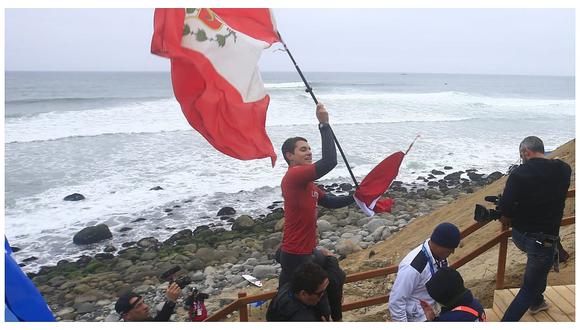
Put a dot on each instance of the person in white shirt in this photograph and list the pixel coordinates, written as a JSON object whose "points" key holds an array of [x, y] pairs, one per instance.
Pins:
{"points": [[416, 269]]}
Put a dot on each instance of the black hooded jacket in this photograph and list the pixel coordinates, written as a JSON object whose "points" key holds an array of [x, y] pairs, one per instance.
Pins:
{"points": [[286, 307], [336, 278], [449, 315]]}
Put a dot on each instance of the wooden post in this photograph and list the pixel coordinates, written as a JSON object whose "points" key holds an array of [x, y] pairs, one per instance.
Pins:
{"points": [[243, 308], [501, 260]]}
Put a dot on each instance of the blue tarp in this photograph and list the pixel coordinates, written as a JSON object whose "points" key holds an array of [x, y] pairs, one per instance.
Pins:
{"points": [[23, 300]]}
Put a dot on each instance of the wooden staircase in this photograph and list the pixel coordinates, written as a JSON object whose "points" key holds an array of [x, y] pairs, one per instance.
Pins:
{"points": [[560, 298]]}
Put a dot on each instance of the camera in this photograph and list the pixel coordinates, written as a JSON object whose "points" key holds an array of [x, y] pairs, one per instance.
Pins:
{"points": [[483, 214], [512, 168], [175, 275]]}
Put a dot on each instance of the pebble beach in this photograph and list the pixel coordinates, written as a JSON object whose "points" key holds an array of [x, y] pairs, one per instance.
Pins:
{"points": [[215, 258]]}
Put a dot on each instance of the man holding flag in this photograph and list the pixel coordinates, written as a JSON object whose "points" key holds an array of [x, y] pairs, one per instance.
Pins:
{"points": [[214, 54], [301, 196]]}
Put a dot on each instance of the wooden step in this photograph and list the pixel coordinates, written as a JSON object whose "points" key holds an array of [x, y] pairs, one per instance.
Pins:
{"points": [[560, 298]]}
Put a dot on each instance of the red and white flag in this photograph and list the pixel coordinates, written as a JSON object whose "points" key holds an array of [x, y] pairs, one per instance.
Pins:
{"points": [[214, 55], [375, 184]]}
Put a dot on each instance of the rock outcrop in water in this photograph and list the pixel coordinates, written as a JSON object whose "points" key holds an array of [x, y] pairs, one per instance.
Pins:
{"points": [[74, 197], [226, 211], [92, 235]]}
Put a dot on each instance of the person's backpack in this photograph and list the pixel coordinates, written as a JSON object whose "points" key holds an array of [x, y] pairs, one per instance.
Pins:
{"points": [[480, 317]]}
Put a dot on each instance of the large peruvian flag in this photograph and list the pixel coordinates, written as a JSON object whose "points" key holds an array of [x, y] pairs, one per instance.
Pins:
{"points": [[214, 55]]}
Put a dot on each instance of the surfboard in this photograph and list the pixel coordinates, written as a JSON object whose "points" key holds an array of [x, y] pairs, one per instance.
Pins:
{"points": [[252, 280]]}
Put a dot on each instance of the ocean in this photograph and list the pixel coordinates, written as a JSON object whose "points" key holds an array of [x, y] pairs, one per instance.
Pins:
{"points": [[112, 136]]}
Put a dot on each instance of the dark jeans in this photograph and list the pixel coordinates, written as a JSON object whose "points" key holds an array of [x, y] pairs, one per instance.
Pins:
{"points": [[290, 262], [540, 260]]}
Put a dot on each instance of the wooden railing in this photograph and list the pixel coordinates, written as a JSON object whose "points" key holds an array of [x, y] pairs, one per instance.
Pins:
{"points": [[241, 304]]}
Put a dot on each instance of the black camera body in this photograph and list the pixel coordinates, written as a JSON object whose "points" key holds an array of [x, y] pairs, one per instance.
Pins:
{"points": [[483, 214], [175, 275]]}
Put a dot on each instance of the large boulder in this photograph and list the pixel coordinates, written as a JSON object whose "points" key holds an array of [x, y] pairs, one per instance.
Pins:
{"points": [[74, 197], [271, 243], [147, 242], [275, 215], [354, 216], [363, 221], [109, 249], [87, 307], [494, 176], [340, 214], [433, 193], [226, 211], [264, 271], [181, 236], [323, 226], [346, 246], [377, 234], [83, 260], [374, 224], [207, 255], [194, 264], [330, 218], [68, 313], [244, 222], [474, 176], [455, 176], [345, 186], [92, 234]]}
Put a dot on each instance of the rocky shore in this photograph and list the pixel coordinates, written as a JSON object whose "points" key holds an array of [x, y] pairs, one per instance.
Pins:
{"points": [[215, 258]]}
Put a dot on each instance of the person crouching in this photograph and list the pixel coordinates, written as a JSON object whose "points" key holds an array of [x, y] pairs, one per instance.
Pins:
{"points": [[457, 303]]}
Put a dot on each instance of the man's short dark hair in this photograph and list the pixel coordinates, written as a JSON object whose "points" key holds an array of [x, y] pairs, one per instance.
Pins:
{"points": [[532, 143], [123, 305], [308, 277], [289, 146]]}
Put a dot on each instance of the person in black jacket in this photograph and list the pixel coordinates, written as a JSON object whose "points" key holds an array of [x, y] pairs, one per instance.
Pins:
{"points": [[131, 307], [457, 303], [336, 279], [300, 299], [332, 301], [533, 203]]}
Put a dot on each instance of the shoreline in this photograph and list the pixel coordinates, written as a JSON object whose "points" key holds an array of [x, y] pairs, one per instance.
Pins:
{"points": [[215, 258]]}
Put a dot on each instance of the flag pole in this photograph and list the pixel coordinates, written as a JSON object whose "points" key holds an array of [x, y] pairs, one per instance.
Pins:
{"points": [[309, 90]]}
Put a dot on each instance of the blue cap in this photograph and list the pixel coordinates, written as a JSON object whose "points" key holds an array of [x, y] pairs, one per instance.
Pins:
{"points": [[446, 235]]}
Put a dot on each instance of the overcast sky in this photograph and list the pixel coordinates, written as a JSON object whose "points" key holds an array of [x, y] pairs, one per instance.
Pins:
{"points": [[490, 41]]}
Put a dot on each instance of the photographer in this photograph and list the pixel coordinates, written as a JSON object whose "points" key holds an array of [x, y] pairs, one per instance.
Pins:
{"points": [[533, 202], [195, 305], [132, 308]]}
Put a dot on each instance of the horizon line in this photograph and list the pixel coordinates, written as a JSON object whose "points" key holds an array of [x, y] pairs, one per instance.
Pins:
{"points": [[290, 71]]}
